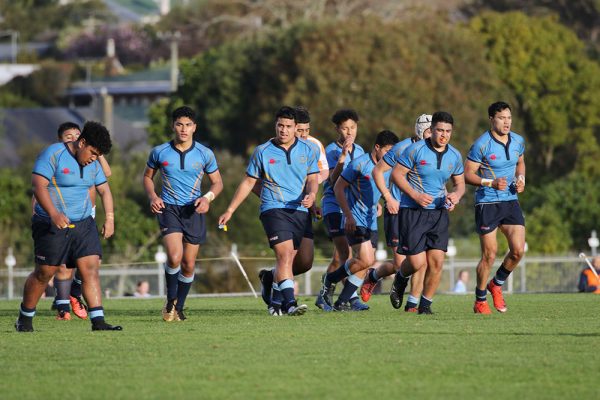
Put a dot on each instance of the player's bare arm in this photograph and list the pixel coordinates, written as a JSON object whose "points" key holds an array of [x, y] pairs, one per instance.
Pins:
{"points": [[391, 204], [202, 204], [472, 177], [108, 229], [239, 196], [156, 203], [340, 195]]}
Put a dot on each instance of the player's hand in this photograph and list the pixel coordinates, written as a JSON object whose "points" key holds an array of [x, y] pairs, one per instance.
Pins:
{"points": [[392, 206], [225, 217], [157, 205], [350, 224], [452, 199], [423, 199], [347, 147], [202, 205], [316, 212], [499, 183], [308, 200], [60, 220], [108, 229], [520, 185]]}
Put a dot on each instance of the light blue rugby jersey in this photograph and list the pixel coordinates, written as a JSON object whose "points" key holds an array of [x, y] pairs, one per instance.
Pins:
{"points": [[182, 171], [496, 161], [391, 158], [362, 194], [283, 173], [333, 151], [70, 182], [429, 171]]}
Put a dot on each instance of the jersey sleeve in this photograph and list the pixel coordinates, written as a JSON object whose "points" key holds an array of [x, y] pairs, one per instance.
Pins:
{"points": [[100, 177], [210, 165], [153, 159], [255, 169], [46, 163], [322, 163], [332, 156], [351, 172], [459, 168], [313, 160], [476, 153], [392, 156], [407, 157]]}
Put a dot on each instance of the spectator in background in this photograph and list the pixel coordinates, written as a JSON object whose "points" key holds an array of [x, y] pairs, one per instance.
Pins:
{"points": [[142, 289], [588, 281], [461, 283]]}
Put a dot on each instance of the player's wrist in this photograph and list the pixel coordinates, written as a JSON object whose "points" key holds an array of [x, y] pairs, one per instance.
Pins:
{"points": [[486, 182], [521, 178], [110, 216], [210, 196]]}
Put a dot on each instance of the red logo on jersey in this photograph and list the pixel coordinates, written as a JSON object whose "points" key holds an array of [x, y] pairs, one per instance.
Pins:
{"points": [[423, 162], [65, 171], [271, 161], [165, 163], [493, 157], [367, 177]]}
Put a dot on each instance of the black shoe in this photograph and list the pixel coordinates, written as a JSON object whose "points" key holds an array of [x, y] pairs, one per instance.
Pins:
{"points": [[266, 285], [103, 326], [425, 310], [327, 291], [342, 307], [180, 315], [24, 325], [397, 292], [53, 306]]}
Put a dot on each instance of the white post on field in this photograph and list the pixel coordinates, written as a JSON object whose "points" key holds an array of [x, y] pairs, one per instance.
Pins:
{"points": [[239, 264], [307, 285], [524, 270], [593, 242], [451, 253], [10, 262], [161, 258]]}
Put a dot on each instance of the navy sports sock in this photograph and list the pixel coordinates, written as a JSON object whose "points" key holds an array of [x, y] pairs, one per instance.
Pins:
{"points": [[501, 276], [373, 275], [411, 301], [286, 287], [171, 281], [96, 314], [183, 288], [339, 274], [76, 284], [480, 294], [63, 288], [276, 296], [25, 312], [425, 302], [352, 283]]}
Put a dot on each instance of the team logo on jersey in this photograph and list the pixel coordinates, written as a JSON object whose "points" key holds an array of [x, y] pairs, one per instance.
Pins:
{"points": [[197, 166], [493, 157], [272, 161], [450, 167], [165, 163], [423, 162], [367, 177], [66, 171], [302, 159]]}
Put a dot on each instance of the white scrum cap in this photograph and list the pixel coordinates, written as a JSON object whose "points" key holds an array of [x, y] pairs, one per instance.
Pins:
{"points": [[423, 122]]}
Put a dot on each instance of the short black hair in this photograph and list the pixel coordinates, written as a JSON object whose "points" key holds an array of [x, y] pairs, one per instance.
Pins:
{"points": [[286, 112], [497, 107], [344, 115], [183, 111], [302, 115], [441, 116], [65, 126], [386, 138], [96, 135]]}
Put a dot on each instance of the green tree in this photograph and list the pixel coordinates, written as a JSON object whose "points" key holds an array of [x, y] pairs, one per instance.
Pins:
{"points": [[556, 86], [389, 73]]}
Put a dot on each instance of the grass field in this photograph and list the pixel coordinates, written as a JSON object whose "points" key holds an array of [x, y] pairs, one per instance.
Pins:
{"points": [[545, 347]]}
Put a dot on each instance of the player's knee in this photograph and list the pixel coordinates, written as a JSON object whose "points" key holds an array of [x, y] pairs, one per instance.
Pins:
{"points": [[42, 275], [517, 253]]}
